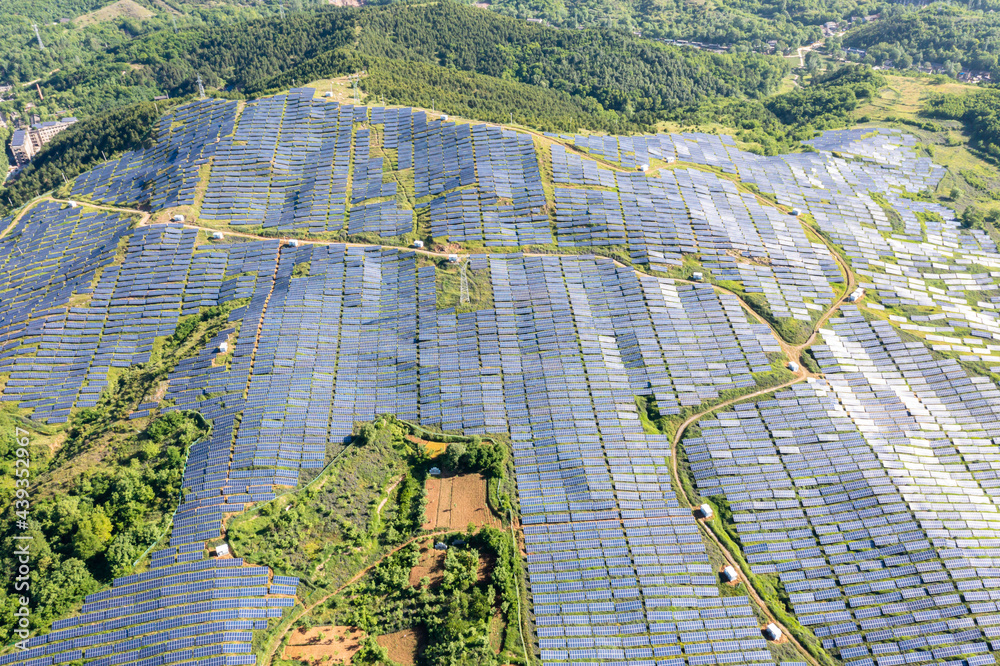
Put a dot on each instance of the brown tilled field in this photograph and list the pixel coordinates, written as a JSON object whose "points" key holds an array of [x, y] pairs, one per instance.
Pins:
{"points": [[337, 645], [455, 501]]}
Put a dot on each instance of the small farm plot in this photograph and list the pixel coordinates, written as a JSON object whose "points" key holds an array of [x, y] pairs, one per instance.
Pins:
{"points": [[458, 501]]}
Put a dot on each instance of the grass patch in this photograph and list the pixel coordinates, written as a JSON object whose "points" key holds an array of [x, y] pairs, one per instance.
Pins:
{"points": [[448, 279]]}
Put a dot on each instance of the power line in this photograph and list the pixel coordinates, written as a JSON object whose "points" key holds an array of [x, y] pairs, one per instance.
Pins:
{"points": [[463, 294]]}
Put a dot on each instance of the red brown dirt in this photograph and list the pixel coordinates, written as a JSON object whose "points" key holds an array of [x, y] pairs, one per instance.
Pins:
{"points": [[337, 646], [456, 501]]}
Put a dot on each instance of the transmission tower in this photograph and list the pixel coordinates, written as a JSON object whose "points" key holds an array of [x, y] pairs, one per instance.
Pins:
{"points": [[281, 8], [173, 19], [201, 88], [463, 294], [39, 36]]}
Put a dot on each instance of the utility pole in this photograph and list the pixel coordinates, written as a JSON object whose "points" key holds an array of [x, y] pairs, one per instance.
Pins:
{"points": [[463, 294], [39, 36]]}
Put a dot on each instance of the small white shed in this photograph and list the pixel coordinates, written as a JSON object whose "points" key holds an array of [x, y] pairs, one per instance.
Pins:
{"points": [[772, 632], [705, 511], [729, 574]]}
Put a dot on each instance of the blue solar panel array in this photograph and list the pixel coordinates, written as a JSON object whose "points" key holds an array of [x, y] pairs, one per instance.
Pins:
{"points": [[879, 558], [181, 611], [286, 166], [873, 497], [52, 319], [165, 175]]}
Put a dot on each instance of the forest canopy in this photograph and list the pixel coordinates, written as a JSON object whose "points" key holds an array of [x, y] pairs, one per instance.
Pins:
{"points": [[938, 33]]}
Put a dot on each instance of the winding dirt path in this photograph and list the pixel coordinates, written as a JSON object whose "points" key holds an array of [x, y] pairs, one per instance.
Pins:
{"points": [[706, 527]]}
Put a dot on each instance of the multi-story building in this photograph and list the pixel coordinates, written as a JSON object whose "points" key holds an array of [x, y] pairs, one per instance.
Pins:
{"points": [[22, 146], [43, 132]]}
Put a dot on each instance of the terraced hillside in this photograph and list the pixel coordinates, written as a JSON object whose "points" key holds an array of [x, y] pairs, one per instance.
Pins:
{"points": [[848, 449]]}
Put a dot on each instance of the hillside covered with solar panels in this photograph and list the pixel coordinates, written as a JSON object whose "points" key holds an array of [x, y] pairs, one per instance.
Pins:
{"points": [[516, 397]]}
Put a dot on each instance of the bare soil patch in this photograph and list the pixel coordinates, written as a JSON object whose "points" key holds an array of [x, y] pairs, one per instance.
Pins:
{"points": [[324, 645], [403, 646], [456, 501]]}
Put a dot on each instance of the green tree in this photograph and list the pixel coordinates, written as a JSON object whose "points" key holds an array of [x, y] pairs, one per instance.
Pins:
{"points": [[93, 532], [453, 456], [460, 569]]}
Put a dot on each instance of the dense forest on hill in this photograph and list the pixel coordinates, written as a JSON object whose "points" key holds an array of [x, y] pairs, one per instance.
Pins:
{"points": [[746, 24], [455, 92], [636, 78], [619, 71], [938, 33]]}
